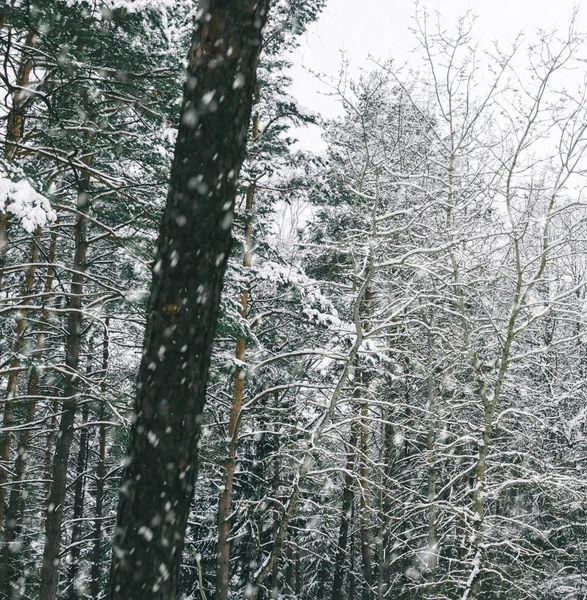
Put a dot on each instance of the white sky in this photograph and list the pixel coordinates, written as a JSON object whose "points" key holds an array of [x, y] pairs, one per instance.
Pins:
{"points": [[381, 28]]}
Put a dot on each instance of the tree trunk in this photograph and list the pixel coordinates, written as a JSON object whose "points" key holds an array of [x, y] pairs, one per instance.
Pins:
{"points": [[290, 569], [352, 579], [298, 589], [15, 121], [364, 502], [362, 391], [276, 519], [347, 506], [15, 364], [193, 248], [5, 12], [95, 587], [54, 516], [387, 459], [9, 564], [14, 131], [431, 436], [78, 504], [224, 503], [316, 434]]}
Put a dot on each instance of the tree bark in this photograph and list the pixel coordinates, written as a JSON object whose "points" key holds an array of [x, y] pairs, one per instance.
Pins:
{"points": [[276, 519], [192, 252]]}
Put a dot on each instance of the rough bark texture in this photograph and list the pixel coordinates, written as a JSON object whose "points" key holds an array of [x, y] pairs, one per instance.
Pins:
{"points": [[193, 248]]}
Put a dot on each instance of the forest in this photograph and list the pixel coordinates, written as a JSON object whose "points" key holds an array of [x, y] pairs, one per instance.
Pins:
{"points": [[357, 373]]}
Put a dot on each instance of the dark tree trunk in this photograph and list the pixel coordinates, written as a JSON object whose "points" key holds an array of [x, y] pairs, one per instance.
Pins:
{"points": [[48, 458], [96, 559], [15, 117], [290, 569], [9, 557], [78, 505], [352, 583], [387, 458], [15, 366], [347, 505], [54, 517], [298, 589], [364, 504], [193, 248], [276, 520]]}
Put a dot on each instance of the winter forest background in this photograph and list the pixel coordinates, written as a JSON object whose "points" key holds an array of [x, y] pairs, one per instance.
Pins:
{"points": [[397, 398]]}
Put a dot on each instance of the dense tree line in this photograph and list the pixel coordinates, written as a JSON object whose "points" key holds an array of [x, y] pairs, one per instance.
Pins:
{"points": [[395, 402]]}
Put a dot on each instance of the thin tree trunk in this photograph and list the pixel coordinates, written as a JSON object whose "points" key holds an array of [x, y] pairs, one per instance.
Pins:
{"points": [[9, 563], [298, 586], [276, 519], [15, 123], [95, 587], [5, 12], [15, 127], [346, 510], [362, 383], [15, 364], [14, 133], [430, 441], [364, 501], [48, 462], [78, 503], [307, 460], [290, 569], [193, 249], [225, 500], [352, 579], [54, 515], [387, 459]]}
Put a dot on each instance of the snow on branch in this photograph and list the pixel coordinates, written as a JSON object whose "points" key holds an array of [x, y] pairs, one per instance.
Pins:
{"points": [[26, 204]]}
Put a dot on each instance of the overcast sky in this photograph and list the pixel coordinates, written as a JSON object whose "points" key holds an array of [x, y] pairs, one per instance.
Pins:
{"points": [[381, 28]]}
